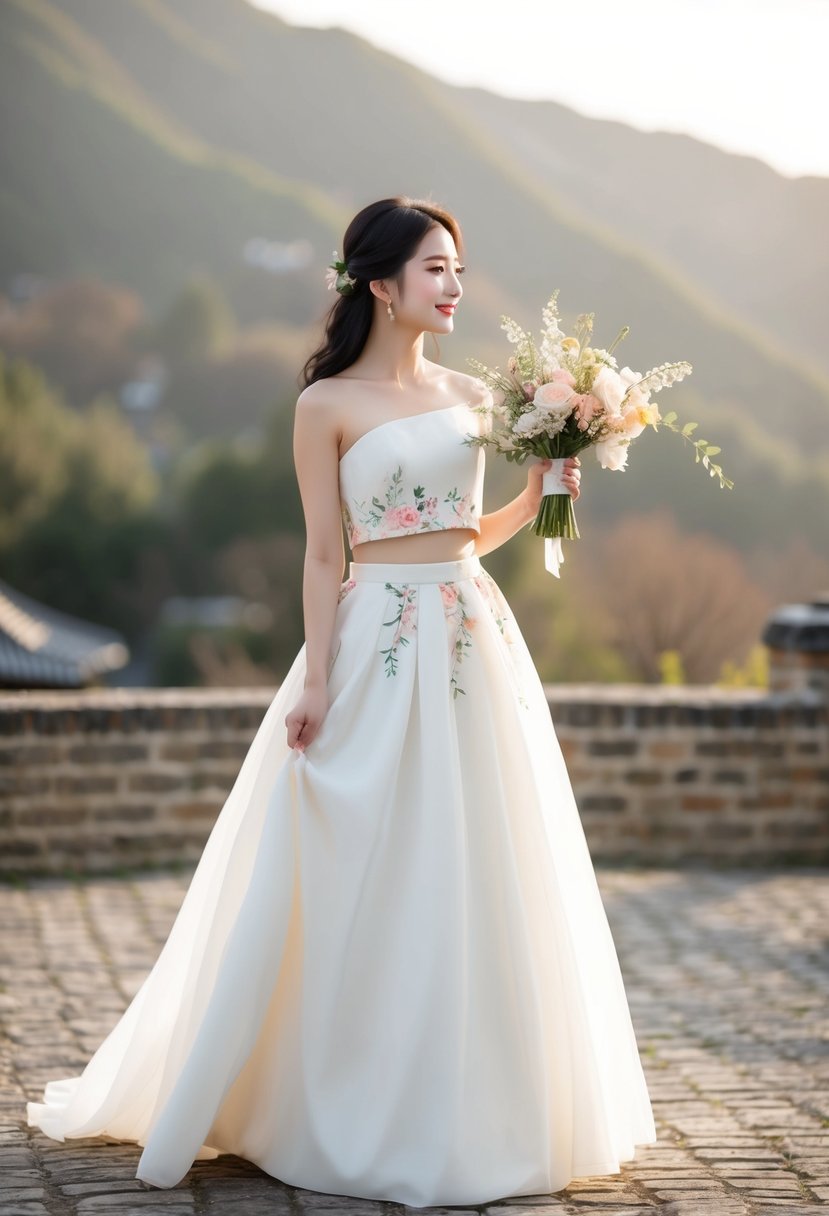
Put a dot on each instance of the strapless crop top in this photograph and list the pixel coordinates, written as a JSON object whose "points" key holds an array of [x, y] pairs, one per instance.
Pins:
{"points": [[413, 474]]}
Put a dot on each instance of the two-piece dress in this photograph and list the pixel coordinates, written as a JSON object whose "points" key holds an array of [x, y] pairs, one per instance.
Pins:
{"points": [[392, 974]]}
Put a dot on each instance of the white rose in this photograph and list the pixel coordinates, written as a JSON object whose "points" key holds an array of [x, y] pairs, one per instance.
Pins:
{"points": [[609, 389], [635, 395], [627, 376], [611, 453]]}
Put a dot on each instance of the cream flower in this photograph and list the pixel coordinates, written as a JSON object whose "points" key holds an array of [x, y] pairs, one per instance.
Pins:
{"points": [[540, 422], [610, 389], [632, 424], [637, 416], [612, 453]]}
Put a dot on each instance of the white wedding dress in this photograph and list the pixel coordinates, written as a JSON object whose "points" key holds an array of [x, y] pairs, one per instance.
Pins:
{"points": [[392, 974]]}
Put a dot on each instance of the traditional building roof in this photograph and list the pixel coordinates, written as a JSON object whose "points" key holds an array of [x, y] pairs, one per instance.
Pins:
{"points": [[43, 648]]}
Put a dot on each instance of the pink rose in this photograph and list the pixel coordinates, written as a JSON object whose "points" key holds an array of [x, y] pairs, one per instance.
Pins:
{"points": [[408, 517], [586, 407], [401, 517], [553, 395], [562, 374], [449, 594]]}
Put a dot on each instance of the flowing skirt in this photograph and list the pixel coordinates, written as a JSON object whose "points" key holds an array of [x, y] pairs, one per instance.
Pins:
{"points": [[392, 975]]}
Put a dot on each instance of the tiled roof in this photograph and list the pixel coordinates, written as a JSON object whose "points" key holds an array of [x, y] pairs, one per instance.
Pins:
{"points": [[803, 627], [43, 648]]}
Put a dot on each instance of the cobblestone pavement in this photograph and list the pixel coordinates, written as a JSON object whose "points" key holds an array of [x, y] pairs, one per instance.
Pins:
{"points": [[727, 977]]}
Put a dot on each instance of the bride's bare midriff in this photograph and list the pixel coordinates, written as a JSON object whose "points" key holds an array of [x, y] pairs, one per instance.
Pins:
{"points": [[443, 546]]}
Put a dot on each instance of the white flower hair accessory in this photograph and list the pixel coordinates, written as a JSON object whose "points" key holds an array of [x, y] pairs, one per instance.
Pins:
{"points": [[337, 276]]}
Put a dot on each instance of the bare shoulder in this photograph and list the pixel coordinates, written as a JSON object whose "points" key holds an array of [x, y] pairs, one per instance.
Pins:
{"points": [[480, 393], [319, 405], [315, 397], [469, 386]]}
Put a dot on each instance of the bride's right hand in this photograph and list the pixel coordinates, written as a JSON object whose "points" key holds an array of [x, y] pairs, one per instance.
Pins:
{"points": [[306, 717]]}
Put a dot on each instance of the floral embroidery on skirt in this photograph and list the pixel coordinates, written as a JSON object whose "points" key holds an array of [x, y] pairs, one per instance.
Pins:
{"points": [[455, 605], [405, 624], [501, 614]]}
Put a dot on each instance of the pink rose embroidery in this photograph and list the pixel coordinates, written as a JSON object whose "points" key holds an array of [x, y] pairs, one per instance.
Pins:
{"points": [[408, 517], [454, 604], [385, 515]]}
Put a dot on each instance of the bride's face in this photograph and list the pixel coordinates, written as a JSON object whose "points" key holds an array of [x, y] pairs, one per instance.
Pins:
{"points": [[430, 279]]}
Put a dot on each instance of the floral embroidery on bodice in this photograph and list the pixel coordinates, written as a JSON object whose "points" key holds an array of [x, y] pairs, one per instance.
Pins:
{"points": [[413, 474]]}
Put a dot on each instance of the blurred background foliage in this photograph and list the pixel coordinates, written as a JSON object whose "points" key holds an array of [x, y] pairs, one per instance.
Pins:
{"points": [[88, 524]]}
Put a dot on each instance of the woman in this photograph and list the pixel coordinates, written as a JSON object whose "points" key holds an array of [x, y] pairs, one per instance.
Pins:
{"points": [[391, 975]]}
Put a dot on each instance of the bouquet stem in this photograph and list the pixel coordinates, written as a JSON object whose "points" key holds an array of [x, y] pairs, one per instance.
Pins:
{"points": [[556, 516]]}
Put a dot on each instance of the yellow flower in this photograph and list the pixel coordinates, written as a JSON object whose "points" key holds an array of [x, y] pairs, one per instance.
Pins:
{"points": [[570, 344]]}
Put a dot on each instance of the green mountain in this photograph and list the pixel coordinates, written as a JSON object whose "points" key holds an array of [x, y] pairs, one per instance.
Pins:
{"points": [[743, 234], [144, 139]]}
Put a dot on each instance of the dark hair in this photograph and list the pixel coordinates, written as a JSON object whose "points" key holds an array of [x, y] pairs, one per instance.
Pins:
{"points": [[378, 242]]}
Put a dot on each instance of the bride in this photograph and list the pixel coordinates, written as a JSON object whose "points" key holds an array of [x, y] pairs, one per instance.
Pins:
{"points": [[391, 975]]}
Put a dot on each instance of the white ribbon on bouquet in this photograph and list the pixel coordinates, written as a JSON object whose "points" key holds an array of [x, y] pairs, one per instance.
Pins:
{"points": [[551, 483]]}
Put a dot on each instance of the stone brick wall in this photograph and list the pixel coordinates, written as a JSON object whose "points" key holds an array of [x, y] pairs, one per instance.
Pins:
{"points": [[666, 774], [99, 780]]}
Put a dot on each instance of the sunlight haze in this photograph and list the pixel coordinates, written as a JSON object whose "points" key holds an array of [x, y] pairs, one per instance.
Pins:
{"points": [[748, 76]]}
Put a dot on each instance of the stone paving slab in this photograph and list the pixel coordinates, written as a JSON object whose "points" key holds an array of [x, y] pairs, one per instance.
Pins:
{"points": [[727, 974]]}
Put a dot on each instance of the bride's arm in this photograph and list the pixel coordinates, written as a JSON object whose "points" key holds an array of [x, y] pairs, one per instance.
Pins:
{"points": [[498, 526], [316, 460]]}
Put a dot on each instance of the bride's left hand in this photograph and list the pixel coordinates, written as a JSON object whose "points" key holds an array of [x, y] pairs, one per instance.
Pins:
{"points": [[570, 475]]}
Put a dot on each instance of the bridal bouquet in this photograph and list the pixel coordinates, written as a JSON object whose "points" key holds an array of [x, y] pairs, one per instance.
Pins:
{"points": [[564, 396]]}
